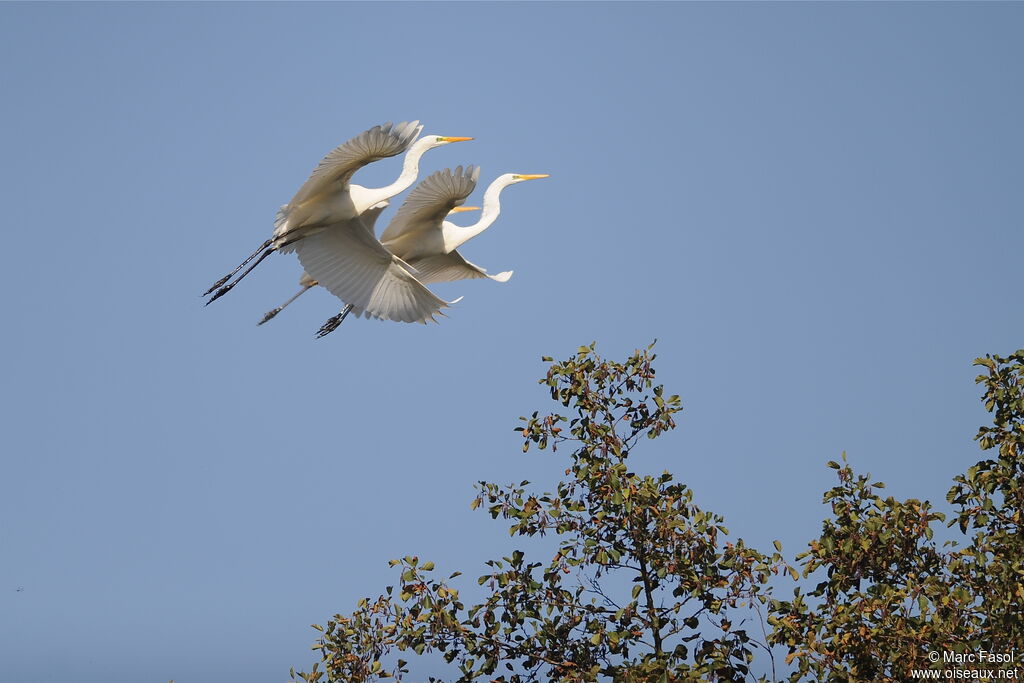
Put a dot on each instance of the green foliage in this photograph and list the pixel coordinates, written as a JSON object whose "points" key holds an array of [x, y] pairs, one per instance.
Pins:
{"points": [[990, 501], [873, 617], [642, 586], [890, 596]]}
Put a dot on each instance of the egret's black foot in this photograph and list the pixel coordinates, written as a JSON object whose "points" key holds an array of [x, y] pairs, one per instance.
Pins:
{"points": [[218, 283], [332, 323], [227, 288], [219, 293], [330, 326], [270, 315]]}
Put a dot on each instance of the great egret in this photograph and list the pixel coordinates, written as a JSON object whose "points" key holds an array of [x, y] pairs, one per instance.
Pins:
{"points": [[352, 264], [327, 198], [429, 244], [426, 243], [369, 219]]}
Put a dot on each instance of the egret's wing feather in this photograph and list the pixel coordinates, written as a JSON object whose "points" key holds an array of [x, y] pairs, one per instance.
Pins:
{"points": [[280, 217], [451, 267], [347, 261], [430, 201], [370, 216], [358, 312], [336, 169]]}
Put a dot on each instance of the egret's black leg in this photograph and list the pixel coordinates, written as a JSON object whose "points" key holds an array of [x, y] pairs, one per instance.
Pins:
{"points": [[227, 277], [332, 324], [227, 288], [271, 314]]}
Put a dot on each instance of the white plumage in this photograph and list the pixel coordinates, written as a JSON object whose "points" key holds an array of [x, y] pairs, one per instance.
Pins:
{"points": [[348, 261], [423, 242], [328, 197], [330, 222]]}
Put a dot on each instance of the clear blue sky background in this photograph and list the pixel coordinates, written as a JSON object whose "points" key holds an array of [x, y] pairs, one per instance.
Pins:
{"points": [[816, 208]]}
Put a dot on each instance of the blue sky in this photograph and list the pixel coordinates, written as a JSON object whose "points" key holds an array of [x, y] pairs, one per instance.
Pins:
{"points": [[814, 207]]}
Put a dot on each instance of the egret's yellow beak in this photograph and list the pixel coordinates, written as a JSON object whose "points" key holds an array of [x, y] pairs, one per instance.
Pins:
{"points": [[533, 176], [447, 139], [460, 209]]}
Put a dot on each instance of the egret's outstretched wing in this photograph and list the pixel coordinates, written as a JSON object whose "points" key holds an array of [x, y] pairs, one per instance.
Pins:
{"points": [[336, 169], [352, 265], [427, 205], [451, 267]]}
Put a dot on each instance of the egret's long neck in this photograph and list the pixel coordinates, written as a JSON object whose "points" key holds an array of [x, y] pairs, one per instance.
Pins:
{"points": [[410, 169], [453, 239]]}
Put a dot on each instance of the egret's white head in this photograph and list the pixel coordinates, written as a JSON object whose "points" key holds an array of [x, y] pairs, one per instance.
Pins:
{"points": [[513, 178], [432, 141]]}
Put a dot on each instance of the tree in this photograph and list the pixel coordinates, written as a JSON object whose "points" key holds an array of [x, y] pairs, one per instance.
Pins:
{"points": [[643, 586], [990, 502], [891, 599]]}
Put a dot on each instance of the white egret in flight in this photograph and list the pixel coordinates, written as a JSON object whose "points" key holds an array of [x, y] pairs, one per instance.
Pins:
{"points": [[328, 198], [427, 244], [369, 219], [348, 261]]}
